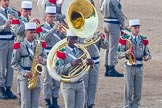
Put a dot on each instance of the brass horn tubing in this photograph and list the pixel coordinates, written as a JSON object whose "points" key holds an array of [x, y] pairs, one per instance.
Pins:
{"points": [[84, 63], [84, 69], [65, 80], [72, 76], [62, 28], [76, 69], [91, 42]]}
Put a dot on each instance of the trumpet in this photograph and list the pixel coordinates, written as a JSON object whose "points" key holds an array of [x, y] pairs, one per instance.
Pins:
{"points": [[36, 20], [61, 27]]}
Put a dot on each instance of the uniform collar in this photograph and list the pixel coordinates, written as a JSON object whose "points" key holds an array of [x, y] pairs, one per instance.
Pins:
{"points": [[47, 23], [24, 18], [71, 49], [2, 8], [30, 44], [134, 36]]}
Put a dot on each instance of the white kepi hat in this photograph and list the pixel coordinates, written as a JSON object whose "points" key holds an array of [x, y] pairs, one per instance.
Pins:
{"points": [[134, 22], [26, 4], [30, 26], [69, 33], [50, 9]]}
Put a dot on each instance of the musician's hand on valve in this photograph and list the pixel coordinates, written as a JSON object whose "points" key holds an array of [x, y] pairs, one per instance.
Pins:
{"points": [[7, 24], [76, 62], [39, 59], [28, 74], [90, 62], [10, 17], [32, 20], [127, 52], [56, 26]]}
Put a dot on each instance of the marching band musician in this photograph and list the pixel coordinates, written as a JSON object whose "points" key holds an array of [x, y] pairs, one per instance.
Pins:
{"points": [[6, 42], [59, 16], [73, 93], [22, 62], [113, 22], [91, 79], [51, 87], [133, 72], [26, 8]]}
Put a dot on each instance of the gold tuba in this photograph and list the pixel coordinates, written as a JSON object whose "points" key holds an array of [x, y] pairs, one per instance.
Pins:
{"points": [[131, 57], [77, 72], [82, 19], [36, 68]]}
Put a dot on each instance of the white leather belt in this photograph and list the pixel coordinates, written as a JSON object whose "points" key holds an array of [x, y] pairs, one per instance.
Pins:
{"points": [[105, 19], [6, 36]]}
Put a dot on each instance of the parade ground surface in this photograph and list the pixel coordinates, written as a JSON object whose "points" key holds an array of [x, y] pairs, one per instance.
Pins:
{"points": [[111, 90]]}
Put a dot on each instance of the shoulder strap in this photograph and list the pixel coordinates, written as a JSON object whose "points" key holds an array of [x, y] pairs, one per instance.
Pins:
{"points": [[3, 17], [45, 29], [57, 36], [30, 56], [73, 57]]}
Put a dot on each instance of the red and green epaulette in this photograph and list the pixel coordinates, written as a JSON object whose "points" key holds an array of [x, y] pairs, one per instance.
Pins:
{"points": [[16, 45], [145, 40], [61, 54], [122, 39]]}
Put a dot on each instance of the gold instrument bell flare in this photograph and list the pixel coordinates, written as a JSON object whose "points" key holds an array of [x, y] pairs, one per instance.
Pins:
{"points": [[82, 18], [77, 20]]}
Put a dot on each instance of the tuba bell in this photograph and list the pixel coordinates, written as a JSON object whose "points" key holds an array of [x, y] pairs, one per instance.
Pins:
{"points": [[82, 19]]}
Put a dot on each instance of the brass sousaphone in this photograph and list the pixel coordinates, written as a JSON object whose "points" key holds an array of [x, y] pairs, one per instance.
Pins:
{"points": [[82, 19]]}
